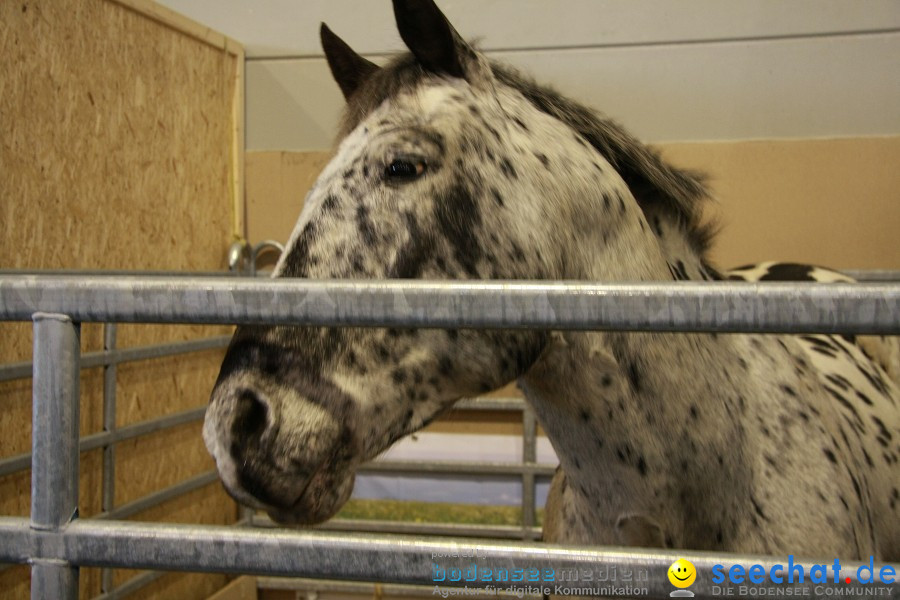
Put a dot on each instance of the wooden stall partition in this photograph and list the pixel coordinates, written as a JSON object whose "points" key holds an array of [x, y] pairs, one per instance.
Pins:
{"points": [[121, 147]]}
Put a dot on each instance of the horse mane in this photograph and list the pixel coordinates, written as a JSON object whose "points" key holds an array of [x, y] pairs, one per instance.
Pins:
{"points": [[655, 184]]}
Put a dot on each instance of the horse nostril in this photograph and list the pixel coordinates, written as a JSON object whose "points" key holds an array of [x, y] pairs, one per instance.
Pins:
{"points": [[250, 415]]}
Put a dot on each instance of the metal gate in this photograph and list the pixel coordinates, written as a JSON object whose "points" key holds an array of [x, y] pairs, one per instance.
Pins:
{"points": [[55, 542]]}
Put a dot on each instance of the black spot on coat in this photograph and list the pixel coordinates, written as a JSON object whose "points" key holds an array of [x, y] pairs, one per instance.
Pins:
{"points": [[459, 217]]}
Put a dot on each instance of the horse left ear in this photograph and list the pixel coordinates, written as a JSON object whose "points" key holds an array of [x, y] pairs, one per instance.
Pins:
{"points": [[433, 40], [348, 68]]}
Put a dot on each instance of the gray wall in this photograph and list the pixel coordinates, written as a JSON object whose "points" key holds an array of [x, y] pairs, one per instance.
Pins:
{"points": [[685, 70]]}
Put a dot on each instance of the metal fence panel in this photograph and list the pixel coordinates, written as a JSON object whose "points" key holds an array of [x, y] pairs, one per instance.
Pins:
{"points": [[55, 543]]}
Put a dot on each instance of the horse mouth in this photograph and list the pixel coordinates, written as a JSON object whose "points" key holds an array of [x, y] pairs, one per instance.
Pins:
{"points": [[291, 496], [324, 495]]}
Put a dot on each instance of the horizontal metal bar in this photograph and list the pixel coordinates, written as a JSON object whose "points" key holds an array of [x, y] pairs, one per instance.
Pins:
{"points": [[21, 462], [873, 274], [159, 497], [482, 403], [408, 467], [128, 432], [512, 532], [117, 273], [722, 307], [355, 588], [454, 467], [858, 274], [360, 557], [22, 370]]}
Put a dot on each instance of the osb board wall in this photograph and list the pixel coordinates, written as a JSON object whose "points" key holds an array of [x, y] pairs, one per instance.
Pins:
{"points": [[115, 129], [830, 202], [120, 148], [277, 183]]}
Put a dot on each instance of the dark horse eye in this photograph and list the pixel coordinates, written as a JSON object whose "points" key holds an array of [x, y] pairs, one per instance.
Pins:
{"points": [[401, 169]]}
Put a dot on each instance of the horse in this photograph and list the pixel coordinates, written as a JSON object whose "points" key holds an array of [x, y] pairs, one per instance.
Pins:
{"points": [[451, 166]]}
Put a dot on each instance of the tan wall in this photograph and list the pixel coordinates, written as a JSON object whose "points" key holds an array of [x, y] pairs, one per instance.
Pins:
{"points": [[829, 202], [118, 150], [277, 183]]}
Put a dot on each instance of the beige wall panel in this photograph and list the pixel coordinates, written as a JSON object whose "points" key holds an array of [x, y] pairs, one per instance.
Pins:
{"points": [[190, 586], [15, 495], [828, 202]]}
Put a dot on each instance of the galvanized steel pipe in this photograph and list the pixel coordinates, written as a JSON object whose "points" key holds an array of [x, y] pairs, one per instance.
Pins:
{"points": [[720, 307], [359, 557], [54, 466]]}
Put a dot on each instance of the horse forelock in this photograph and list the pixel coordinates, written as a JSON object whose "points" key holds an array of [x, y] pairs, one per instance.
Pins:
{"points": [[655, 184]]}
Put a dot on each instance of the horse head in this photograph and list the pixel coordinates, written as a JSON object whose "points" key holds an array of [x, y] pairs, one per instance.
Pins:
{"points": [[448, 167]]}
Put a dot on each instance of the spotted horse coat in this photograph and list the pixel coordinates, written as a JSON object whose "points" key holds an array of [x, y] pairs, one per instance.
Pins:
{"points": [[453, 167], [859, 374]]}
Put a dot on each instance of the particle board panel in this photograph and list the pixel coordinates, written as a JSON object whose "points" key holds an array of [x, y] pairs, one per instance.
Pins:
{"points": [[121, 147], [162, 459], [277, 184], [163, 386], [118, 140]]}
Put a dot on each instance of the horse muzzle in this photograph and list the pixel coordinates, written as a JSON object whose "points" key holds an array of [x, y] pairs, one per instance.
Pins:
{"points": [[277, 451]]}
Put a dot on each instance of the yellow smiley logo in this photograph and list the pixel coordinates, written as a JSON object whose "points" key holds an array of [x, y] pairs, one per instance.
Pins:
{"points": [[682, 573]]}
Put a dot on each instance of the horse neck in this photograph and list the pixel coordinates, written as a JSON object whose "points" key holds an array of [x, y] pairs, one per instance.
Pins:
{"points": [[618, 405]]}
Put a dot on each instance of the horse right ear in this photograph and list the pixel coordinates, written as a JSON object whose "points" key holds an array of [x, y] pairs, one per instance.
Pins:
{"points": [[348, 68], [436, 44]]}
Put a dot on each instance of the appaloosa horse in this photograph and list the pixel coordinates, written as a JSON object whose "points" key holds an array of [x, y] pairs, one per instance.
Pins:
{"points": [[454, 167]]}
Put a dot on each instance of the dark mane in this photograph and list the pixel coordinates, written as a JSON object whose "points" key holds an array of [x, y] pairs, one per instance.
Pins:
{"points": [[656, 185]]}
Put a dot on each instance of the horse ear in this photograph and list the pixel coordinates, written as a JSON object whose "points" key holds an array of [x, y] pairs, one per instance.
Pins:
{"points": [[348, 68], [432, 40]]}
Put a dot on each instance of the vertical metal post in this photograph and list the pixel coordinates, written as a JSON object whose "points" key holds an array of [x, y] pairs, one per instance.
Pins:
{"points": [[529, 457], [109, 452], [54, 446]]}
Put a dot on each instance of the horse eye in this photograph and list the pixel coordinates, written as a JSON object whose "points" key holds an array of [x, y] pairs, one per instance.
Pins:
{"points": [[401, 169]]}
